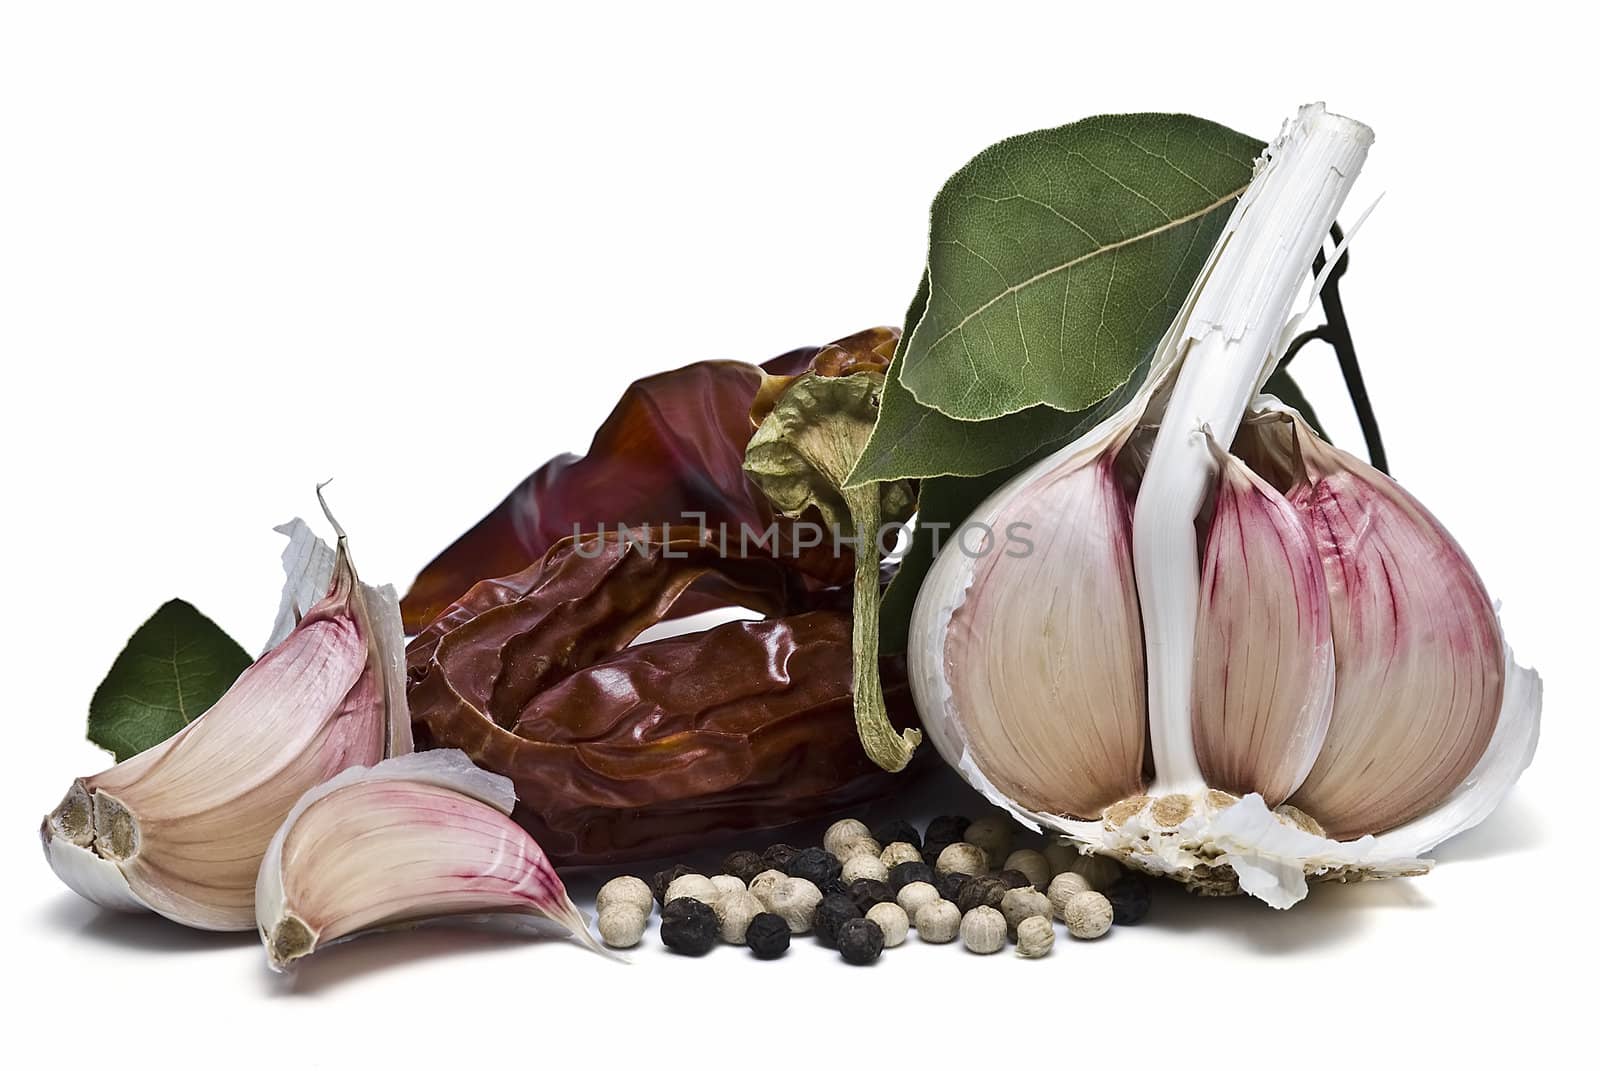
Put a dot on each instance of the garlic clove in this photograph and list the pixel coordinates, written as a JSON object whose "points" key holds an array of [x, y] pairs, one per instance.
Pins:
{"points": [[184, 824], [1263, 676], [1046, 667], [1419, 657], [411, 839]]}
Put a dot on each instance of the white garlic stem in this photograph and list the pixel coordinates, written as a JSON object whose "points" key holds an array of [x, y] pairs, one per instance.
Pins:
{"points": [[1231, 344]]}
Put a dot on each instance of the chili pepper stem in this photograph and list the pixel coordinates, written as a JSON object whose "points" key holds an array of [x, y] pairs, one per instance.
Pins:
{"points": [[889, 749]]}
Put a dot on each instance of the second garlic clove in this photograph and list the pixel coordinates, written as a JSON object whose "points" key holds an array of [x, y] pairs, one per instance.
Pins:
{"points": [[412, 839], [1263, 675]]}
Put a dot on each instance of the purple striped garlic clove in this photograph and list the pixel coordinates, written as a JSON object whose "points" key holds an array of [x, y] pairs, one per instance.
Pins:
{"points": [[1045, 659], [1420, 662], [1264, 671], [180, 829], [417, 838]]}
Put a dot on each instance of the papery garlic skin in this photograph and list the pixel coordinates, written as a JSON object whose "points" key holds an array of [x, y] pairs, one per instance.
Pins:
{"points": [[180, 829], [416, 838], [1203, 379]]}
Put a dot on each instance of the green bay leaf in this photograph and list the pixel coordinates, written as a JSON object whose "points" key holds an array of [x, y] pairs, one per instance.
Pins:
{"points": [[175, 666], [1057, 259], [911, 440]]}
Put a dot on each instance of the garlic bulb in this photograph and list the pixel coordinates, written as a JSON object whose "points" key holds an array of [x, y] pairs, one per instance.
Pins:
{"points": [[411, 839], [1322, 682], [180, 829]]}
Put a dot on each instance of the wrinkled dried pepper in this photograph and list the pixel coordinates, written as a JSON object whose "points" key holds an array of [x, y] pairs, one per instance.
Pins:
{"points": [[674, 445], [621, 752]]}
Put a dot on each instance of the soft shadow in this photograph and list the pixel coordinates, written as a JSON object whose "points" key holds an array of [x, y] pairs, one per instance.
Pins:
{"points": [[70, 915], [1513, 827], [364, 956], [1330, 914]]}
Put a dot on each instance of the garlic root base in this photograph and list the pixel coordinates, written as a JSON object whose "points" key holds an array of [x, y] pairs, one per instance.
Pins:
{"points": [[1217, 844]]}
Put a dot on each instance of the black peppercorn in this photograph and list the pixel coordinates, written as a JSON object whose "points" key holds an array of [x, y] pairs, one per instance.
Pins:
{"points": [[837, 885], [950, 885], [932, 848], [887, 833], [777, 857], [903, 874], [689, 927], [743, 865], [835, 910], [946, 829], [1014, 879], [867, 893], [860, 941], [981, 892], [1130, 900], [816, 865], [662, 878], [767, 936]]}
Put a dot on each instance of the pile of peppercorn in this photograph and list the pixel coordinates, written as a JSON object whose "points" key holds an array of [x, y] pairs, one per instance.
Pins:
{"points": [[863, 890]]}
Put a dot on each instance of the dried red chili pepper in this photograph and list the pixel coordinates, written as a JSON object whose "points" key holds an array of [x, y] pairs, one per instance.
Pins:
{"points": [[622, 752], [605, 594], [673, 445]]}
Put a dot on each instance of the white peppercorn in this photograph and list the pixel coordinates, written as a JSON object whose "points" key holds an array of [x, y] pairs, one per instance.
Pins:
{"points": [[1061, 855], [621, 923], [938, 922], [963, 858], [915, 896], [863, 866], [795, 900], [900, 852], [993, 833], [843, 832], [727, 884], [695, 886], [892, 920], [1087, 915], [1031, 863], [1023, 903], [1063, 887], [983, 930], [625, 890], [859, 846], [762, 885], [734, 912], [1036, 936], [1098, 870]]}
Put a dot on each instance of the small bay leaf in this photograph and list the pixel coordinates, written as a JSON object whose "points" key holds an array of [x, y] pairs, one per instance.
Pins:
{"points": [[175, 666]]}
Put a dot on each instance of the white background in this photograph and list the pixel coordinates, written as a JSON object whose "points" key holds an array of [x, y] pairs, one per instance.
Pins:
{"points": [[423, 248]]}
